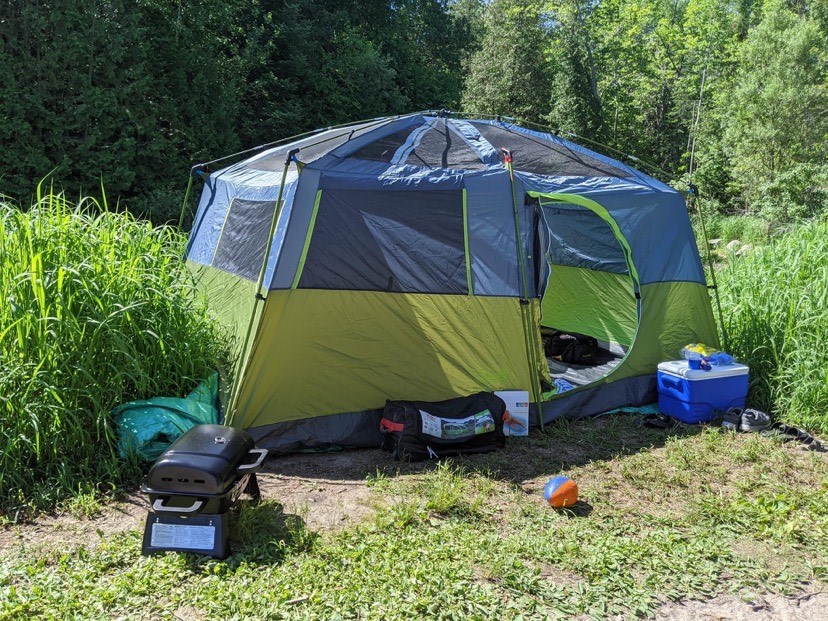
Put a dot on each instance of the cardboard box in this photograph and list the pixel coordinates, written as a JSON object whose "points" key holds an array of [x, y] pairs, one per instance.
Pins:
{"points": [[517, 405]]}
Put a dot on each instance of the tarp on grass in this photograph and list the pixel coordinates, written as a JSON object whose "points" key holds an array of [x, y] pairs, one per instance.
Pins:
{"points": [[146, 428]]}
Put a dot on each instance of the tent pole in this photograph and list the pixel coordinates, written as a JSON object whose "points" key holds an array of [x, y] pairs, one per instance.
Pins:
{"points": [[694, 194], [693, 191], [371, 123], [234, 391], [186, 196], [526, 317]]}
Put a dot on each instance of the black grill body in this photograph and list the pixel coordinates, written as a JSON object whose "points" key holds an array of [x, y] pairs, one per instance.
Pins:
{"points": [[194, 484]]}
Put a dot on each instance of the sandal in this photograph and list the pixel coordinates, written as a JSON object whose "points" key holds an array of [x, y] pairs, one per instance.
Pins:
{"points": [[787, 433]]}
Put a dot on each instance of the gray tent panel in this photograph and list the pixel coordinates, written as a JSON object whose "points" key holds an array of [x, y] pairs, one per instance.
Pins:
{"points": [[292, 228], [383, 149], [398, 241], [481, 146], [628, 392], [311, 148], [492, 234], [538, 155], [362, 429], [352, 430], [440, 147]]}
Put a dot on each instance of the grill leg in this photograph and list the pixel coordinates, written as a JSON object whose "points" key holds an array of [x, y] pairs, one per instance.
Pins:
{"points": [[253, 488]]}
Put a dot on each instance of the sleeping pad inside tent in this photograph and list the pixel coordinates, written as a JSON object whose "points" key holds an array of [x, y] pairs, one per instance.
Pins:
{"points": [[419, 257]]}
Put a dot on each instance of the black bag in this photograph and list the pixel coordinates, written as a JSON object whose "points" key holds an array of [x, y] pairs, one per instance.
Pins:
{"points": [[571, 348], [418, 430]]}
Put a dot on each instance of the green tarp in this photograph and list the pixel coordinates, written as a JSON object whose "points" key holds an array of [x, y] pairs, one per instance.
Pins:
{"points": [[147, 428]]}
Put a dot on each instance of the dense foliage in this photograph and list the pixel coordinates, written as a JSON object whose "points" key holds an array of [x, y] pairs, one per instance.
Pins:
{"points": [[136, 91], [97, 309], [631, 73]]}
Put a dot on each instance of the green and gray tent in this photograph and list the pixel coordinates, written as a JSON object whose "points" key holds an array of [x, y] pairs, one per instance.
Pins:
{"points": [[409, 258]]}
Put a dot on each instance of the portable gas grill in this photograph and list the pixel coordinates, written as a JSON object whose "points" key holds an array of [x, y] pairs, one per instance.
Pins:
{"points": [[194, 484]]}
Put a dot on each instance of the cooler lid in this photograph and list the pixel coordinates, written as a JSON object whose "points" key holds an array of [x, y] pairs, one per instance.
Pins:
{"points": [[680, 368]]}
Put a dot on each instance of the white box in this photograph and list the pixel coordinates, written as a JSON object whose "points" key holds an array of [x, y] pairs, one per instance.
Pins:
{"points": [[517, 405]]}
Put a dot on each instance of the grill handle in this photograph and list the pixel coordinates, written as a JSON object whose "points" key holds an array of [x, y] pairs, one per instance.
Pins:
{"points": [[256, 464], [159, 507]]}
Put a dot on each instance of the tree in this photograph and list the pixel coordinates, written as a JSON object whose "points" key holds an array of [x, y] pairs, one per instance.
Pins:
{"points": [[510, 75], [776, 120], [576, 102], [135, 92]]}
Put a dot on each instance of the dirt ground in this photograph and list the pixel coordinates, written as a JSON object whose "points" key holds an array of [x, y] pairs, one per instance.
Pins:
{"points": [[328, 491], [804, 607]]}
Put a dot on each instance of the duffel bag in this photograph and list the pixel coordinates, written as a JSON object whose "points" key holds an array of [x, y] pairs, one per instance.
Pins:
{"points": [[571, 348], [418, 430]]}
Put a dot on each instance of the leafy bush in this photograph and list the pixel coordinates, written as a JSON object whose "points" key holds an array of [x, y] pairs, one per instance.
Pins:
{"points": [[800, 192], [775, 302], [97, 309]]}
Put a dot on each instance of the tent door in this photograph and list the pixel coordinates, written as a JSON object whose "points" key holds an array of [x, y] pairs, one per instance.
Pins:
{"points": [[587, 284]]}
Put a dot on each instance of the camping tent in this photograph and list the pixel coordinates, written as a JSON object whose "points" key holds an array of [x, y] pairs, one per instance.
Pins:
{"points": [[420, 257]]}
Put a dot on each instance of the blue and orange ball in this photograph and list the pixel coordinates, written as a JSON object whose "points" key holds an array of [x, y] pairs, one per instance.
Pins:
{"points": [[561, 492]]}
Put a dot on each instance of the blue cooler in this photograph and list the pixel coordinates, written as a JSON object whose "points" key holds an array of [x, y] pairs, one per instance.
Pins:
{"points": [[692, 395]]}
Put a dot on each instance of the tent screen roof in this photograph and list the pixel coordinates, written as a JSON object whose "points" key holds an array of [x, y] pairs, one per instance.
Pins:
{"points": [[317, 146], [541, 156]]}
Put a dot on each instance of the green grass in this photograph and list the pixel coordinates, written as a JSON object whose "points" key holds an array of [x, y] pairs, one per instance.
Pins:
{"points": [[97, 309], [775, 301], [694, 514], [746, 229]]}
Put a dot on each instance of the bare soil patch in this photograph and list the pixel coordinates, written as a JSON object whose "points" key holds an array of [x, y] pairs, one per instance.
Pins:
{"points": [[327, 490], [66, 531], [804, 607]]}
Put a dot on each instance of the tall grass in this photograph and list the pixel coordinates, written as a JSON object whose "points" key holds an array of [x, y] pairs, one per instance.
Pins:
{"points": [[776, 313], [747, 229], [95, 309]]}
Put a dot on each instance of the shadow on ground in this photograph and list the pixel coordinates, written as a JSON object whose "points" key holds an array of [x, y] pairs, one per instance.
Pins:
{"points": [[564, 444]]}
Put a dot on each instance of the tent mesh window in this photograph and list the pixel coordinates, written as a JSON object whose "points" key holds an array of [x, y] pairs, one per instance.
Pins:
{"points": [[315, 147], [241, 247], [440, 147], [579, 238], [390, 240], [541, 156], [430, 147], [383, 150]]}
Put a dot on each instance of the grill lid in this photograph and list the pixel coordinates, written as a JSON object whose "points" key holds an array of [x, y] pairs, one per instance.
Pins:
{"points": [[204, 460]]}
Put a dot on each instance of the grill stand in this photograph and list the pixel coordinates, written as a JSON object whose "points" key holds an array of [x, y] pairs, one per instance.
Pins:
{"points": [[177, 529]]}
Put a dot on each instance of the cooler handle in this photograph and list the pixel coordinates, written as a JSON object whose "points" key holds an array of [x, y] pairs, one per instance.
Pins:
{"points": [[255, 465], [159, 507], [675, 384]]}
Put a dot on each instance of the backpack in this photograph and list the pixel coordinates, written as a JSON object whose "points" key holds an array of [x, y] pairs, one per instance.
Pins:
{"points": [[571, 348], [418, 430]]}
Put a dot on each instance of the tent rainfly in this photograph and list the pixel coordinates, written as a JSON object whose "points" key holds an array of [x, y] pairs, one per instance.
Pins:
{"points": [[421, 257]]}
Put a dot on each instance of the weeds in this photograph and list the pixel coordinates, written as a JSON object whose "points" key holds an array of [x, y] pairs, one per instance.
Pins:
{"points": [[95, 309], [775, 301]]}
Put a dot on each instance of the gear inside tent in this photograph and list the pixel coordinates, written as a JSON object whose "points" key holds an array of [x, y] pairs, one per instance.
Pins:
{"points": [[423, 257]]}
